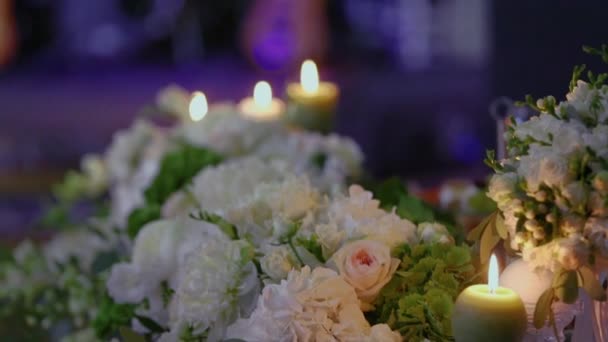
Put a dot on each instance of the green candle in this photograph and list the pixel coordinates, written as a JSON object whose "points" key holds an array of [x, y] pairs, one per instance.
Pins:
{"points": [[312, 104], [489, 313]]}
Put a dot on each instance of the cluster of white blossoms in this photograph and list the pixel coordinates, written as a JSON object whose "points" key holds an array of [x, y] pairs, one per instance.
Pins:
{"points": [[553, 188], [321, 260]]}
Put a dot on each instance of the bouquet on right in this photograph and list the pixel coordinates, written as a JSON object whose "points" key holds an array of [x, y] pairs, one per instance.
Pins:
{"points": [[552, 190]]}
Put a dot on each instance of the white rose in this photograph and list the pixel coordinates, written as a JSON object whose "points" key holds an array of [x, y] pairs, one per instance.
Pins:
{"points": [[572, 252], [501, 188], [277, 263], [96, 174], [432, 232], [367, 266]]}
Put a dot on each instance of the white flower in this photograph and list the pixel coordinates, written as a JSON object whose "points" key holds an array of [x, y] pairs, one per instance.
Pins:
{"points": [[576, 194], [327, 160], [82, 245], [175, 100], [367, 266], [212, 278], [96, 174], [226, 131], [433, 232], [542, 257], [309, 306], [141, 142], [220, 188], [360, 216], [597, 204], [597, 140], [502, 188], [572, 252], [571, 224], [600, 182], [596, 231], [277, 262]]}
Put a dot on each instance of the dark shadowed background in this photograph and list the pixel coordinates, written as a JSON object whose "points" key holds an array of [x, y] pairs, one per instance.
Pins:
{"points": [[416, 76]]}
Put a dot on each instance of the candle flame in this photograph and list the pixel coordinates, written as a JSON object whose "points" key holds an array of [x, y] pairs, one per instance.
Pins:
{"points": [[198, 106], [309, 76], [262, 94], [493, 274]]}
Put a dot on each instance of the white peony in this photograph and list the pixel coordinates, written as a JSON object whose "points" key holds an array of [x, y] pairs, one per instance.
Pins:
{"points": [[367, 266], [315, 305]]}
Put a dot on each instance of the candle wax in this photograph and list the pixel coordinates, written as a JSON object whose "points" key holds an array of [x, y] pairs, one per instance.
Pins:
{"points": [[482, 316]]}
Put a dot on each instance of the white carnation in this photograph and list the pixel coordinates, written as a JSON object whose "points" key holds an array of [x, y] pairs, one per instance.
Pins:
{"points": [[315, 305], [360, 216], [212, 278], [175, 100]]}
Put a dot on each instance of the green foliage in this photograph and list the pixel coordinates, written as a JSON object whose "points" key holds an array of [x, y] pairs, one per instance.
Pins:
{"points": [[319, 159], [104, 260], [389, 192], [481, 203], [140, 217], [129, 335], [418, 301], [228, 228], [177, 169], [313, 246], [111, 317]]}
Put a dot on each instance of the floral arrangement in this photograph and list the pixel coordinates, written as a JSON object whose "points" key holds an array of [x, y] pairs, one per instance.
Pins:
{"points": [[552, 190], [228, 229]]}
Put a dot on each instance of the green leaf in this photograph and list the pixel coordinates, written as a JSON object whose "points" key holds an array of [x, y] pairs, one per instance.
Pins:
{"points": [[319, 159], [565, 284], [489, 240], [313, 246], [228, 228], [104, 261], [475, 234], [501, 229], [389, 192], [414, 209], [150, 324], [129, 335], [591, 284], [111, 316], [543, 307], [140, 217], [177, 169]]}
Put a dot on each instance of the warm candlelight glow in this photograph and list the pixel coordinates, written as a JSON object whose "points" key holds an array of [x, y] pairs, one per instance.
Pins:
{"points": [[262, 94], [309, 76], [198, 106], [493, 274]]}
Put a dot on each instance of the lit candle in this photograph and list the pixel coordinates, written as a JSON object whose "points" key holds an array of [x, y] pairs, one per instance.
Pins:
{"points": [[311, 103], [491, 313], [198, 107], [262, 106]]}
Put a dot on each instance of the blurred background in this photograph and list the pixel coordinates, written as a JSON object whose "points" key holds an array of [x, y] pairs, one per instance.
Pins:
{"points": [[417, 77]]}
